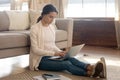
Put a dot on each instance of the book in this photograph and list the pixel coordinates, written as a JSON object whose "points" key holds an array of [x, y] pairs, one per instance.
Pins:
{"points": [[51, 77]]}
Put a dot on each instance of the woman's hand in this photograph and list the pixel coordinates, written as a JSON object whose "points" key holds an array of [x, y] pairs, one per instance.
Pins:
{"points": [[62, 53]]}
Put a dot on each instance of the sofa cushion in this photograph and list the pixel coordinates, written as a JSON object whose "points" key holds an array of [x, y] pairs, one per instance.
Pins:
{"points": [[34, 15], [22, 38], [4, 21], [19, 20], [12, 40], [61, 35], [26, 32]]}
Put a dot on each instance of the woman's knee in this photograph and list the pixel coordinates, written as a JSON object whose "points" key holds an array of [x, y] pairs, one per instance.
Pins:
{"points": [[72, 58], [67, 63]]}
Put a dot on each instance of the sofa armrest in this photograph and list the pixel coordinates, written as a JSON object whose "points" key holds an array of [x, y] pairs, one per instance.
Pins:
{"points": [[67, 25]]}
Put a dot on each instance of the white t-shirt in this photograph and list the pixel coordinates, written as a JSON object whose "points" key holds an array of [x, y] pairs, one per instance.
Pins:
{"points": [[49, 39]]}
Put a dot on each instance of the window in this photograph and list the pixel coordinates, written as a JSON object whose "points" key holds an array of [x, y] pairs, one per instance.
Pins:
{"points": [[25, 6], [4, 5], [91, 8]]}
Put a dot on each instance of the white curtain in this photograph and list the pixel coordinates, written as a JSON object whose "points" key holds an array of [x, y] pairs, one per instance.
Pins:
{"points": [[117, 21], [16, 4], [61, 6], [37, 4]]}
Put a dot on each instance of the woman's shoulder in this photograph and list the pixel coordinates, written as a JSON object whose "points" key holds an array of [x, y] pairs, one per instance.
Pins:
{"points": [[35, 26]]}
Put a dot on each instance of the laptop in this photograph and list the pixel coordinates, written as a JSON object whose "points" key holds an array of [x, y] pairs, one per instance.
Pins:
{"points": [[71, 53]]}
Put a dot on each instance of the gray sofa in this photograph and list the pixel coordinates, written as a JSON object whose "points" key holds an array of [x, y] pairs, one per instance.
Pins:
{"points": [[14, 33]]}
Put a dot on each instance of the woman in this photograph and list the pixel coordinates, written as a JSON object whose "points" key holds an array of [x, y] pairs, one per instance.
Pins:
{"points": [[42, 36]]}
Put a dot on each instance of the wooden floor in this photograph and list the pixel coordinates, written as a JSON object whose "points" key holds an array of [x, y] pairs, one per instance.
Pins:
{"points": [[14, 65]]}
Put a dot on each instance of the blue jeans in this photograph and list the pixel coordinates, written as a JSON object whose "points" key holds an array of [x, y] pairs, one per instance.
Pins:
{"points": [[71, 64]]}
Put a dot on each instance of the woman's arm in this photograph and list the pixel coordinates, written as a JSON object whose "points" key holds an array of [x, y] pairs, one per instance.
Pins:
{"points": [[56, 49]]}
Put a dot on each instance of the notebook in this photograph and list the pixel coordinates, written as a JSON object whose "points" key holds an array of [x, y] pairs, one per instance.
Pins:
{"points": [[71, 53], [53, 77]]}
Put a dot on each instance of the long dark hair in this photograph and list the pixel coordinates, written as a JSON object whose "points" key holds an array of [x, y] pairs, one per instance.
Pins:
{"points": [[46, 10]]}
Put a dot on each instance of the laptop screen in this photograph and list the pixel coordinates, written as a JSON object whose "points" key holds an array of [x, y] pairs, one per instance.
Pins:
{"points": [[75, 50]]}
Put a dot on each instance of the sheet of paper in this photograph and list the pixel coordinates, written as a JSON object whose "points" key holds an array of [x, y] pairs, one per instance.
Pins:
{"points": [[41, 78]]}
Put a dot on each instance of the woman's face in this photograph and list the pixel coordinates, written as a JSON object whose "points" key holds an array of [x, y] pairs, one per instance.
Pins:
{"points": [[48, 18]]}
